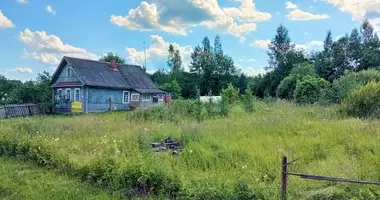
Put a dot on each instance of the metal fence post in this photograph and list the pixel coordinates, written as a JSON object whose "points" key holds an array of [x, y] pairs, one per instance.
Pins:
{"points": [[284, 177]]}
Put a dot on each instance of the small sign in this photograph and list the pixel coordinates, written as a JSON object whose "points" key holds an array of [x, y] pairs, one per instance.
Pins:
{"points": [[76, 106]]}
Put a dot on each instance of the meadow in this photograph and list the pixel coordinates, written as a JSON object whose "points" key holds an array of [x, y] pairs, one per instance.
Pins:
{"points": [[234, 157]]}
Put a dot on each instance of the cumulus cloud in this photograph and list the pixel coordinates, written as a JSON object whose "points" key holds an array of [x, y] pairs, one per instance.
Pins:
{"points": [[260, 43], [158, 49], [22, 70], [178, 16], [359, 9], [295, 13], [50, 48], [50, 9], [314, 44], [5, 22], [251, 70], [22, 1]]}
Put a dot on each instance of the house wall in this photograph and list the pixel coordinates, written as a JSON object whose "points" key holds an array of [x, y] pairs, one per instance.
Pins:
{"points": [[149, 103], [62, 77], [62, 104], [98, 100]]}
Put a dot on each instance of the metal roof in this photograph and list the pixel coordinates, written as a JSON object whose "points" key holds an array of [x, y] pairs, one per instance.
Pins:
{"points": [[99, 74]]}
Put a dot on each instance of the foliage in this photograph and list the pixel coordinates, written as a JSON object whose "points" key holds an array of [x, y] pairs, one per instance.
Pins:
{"points": [[110, 56], [308, 89], [248, 100], [16, 92], [216, 162], [231, 94], [363, 102], [352, 80], [174, 60], [174, 87], [288, 84]]}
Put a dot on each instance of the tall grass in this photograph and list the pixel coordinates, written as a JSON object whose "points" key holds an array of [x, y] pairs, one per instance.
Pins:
{"points": [[234, 157]]}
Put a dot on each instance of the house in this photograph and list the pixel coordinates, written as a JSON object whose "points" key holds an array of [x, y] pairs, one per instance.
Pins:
{"points": [[81, 85]]}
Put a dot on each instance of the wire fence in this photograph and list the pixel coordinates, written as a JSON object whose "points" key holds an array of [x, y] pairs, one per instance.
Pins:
{"points": [[285, 174]]}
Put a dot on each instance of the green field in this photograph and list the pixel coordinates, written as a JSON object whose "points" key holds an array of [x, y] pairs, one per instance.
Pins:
{"points": [[238, 157]]}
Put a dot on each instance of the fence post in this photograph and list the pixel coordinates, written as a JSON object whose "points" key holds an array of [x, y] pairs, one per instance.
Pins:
{"points": [[5, 111], [284, 177], [30, 112]]}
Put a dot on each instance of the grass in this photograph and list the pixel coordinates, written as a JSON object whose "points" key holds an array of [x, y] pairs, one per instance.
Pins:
{"points": [[23, 180], [238, 157]]}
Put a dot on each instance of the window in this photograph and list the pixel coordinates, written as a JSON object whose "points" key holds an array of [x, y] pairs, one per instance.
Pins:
{"points": [[69, 72], [77, 94], [146, 97], [68, 94], [160, 97], [59, 94], [135, 97], [125, 97]]}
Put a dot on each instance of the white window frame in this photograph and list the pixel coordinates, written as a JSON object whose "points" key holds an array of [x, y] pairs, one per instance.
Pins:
{"points": [[143, 99], [135, 94], [59, 94], [75, 94], [126, 102], [69, 70], [68, 97], [160, 97]]}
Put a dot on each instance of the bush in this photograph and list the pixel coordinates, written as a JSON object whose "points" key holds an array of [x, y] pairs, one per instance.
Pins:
{"points": [[288, 84], [363, 102], [248, 100], [353, 80], [308, 90], [231, 94]]}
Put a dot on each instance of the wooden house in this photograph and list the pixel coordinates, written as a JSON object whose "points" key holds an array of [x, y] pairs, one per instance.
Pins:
{"points": [[81, 85]]}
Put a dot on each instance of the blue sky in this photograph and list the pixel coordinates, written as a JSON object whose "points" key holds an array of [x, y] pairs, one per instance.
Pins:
{"points": [[35, 34]]}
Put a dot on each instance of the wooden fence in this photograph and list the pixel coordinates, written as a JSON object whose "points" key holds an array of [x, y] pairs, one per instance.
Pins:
{"points": [[21, 110]]}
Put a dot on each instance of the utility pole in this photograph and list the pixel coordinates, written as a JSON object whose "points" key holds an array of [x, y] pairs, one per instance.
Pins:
{"points": [[145, 56]]}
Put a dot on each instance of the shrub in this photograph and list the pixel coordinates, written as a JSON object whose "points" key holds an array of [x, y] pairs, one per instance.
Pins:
{"points": [[248, 100], [230, 93], [363, 102], [309, 89], [288, 84], [353, 80]]}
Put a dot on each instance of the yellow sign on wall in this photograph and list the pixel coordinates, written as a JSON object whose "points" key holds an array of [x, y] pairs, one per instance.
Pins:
{"points": [[76, 106]]}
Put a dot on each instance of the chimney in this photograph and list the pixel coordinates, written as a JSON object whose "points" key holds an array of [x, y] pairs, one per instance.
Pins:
{"points": [[113, 65]]}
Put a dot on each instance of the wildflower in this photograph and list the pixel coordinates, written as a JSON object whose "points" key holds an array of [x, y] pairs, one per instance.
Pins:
{"points": [[38, 132], [145, 129], [244, 166], [191, 151], [56, 139]]}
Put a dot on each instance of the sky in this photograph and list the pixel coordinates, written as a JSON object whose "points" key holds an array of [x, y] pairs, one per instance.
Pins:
{"points": [[36, 34]]}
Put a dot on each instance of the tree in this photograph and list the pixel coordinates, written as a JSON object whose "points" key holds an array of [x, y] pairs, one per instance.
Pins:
{"points": [[355, 50], [371, 47], [109, 56], [282, 58], [174, 87], [324, 60], [174, 60]]}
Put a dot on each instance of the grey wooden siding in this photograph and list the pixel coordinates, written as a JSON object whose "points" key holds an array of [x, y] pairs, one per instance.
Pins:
{"points": [[62, 77], [64, 106], [98, 100]]}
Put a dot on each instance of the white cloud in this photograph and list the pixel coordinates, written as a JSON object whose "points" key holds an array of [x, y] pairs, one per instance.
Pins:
{"points": [[300, 15], [158, 50], [50, 9], [22, 70], [260, 43], [314, 44], [306, 33], [22, 1], [178, 16], [49, 48], [5, 22], [359, 9], [242, 39], [251, 70], [291, 6], [246, 60]]}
